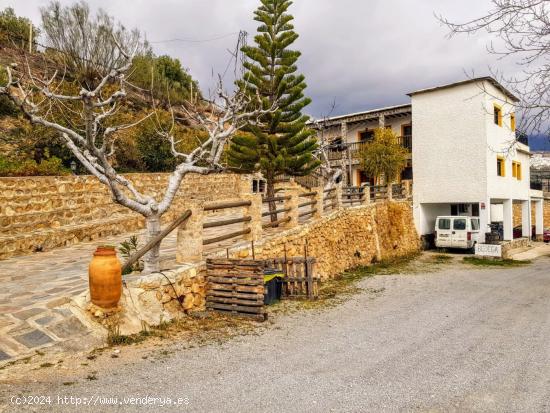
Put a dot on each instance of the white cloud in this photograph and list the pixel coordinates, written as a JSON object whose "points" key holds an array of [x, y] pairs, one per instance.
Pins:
{"points": [[360, 53]]}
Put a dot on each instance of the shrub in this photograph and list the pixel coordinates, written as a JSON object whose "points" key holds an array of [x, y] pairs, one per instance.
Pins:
{"points": [[48, 167], [15, 29], [171, 81]]}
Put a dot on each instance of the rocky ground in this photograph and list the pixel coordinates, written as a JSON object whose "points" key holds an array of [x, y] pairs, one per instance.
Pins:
{"points": [[434, 335]]}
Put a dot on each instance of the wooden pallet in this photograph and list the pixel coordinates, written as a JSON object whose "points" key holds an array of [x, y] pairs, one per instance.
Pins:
{"points": [[236, 287], [300, 280]]}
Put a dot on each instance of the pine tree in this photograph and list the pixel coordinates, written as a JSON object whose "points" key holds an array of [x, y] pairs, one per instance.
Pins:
{"points": [[280, 143]]}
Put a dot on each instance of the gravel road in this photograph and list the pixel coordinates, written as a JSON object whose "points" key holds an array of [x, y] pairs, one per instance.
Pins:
{"points": [[463, 339]]}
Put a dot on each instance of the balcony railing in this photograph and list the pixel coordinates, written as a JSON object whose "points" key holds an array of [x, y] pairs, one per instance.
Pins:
{"points": [[355, 148]]}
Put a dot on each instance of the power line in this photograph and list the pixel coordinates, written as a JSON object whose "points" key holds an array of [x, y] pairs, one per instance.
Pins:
{"points": [[212, 39]]}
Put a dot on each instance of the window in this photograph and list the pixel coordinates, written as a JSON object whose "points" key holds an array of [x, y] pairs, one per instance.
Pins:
{"points": [[475, 224], [516, 170], [366, 136], [406, 130], [501, 166], [337, 145], [459, 224], [513, 121], [497, 115], [457, 209], [475, 210], [444, 223]]}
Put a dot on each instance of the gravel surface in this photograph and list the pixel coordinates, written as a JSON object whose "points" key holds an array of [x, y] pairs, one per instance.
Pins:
{"points": [[463, 339]]}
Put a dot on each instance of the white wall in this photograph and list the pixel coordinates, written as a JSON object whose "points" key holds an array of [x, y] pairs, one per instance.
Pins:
{"points": [[426, 214], [500, 142], [449, 145]]}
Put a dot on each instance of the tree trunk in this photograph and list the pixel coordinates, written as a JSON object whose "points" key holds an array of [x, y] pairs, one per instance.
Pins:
{"points": [[270, 189], [151, 260]]}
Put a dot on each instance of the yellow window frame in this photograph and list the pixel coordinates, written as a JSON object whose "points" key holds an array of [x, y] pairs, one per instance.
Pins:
{"points": [[513, 121], [497, 110], [516, 170], [502, 162]]}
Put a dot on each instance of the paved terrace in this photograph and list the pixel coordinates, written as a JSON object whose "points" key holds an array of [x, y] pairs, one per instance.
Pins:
{"points": [[35, 286]]}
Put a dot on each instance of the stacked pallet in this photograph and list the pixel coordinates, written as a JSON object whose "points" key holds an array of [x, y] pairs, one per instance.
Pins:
{"points": [[236, 287]]}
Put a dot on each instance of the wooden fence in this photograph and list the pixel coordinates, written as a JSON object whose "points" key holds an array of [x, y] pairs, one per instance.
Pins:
{"points": [[225, 222], [248, 218]]}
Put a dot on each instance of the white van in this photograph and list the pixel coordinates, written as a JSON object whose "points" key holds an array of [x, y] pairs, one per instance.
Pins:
{"points": [[457, 232]]}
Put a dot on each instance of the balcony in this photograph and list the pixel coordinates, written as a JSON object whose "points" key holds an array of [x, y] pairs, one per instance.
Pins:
{"points": [[340, 151]]}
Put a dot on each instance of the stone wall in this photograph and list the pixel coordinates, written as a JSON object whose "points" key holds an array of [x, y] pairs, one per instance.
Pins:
{"points": [[41, 213], [546, 209], [349, 237]]}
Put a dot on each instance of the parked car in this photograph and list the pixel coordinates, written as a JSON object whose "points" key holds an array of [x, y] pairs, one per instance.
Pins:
{"points": [[457, 232], [518, 232], [546, 235]]}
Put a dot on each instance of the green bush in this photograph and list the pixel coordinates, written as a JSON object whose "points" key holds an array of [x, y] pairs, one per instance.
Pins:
{"points": [[171, 82], [15, 29], [48, 167]]}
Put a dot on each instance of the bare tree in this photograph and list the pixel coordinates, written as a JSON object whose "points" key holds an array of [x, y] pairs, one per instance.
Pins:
{"points": [[522, 29], [331, 174], [87, 43], [93, 144]]}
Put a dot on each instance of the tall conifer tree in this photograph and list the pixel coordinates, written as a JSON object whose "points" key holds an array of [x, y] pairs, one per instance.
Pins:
{"points": [[281, 143]]}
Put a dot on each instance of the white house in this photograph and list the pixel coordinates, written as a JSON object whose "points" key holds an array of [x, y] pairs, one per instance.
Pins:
{"points": [[465, 157]]}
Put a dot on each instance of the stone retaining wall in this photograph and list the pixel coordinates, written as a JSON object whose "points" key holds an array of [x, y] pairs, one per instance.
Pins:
{"points": [[348, 238], [41, 213]]}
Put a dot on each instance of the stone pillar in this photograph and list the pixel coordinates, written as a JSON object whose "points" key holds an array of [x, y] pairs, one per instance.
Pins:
{"points": [[508, 217], [366, 197], [292, 203], [255, 212], [407, 187], [190, 235], [344, 131], [381, 121], [539, 219], [338, 194], [526, 219], [320, 203]]}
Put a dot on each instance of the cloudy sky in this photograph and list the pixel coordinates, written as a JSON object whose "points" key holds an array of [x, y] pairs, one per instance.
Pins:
{"points": [[361, 54]]}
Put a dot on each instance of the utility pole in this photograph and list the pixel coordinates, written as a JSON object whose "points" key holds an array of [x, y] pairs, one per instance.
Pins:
{"points": [[30, 37]]}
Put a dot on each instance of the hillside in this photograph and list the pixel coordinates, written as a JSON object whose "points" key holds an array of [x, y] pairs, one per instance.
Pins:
{"points": [[23, 146]]}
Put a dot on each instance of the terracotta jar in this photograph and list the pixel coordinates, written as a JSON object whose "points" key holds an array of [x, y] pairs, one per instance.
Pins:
{"points": [[105, 278]]}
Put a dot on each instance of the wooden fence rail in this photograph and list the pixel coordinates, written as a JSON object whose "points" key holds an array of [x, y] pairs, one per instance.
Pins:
{"points": [[227, 205], [276, 199], [225, 222], [226, 236], [276, 223]]}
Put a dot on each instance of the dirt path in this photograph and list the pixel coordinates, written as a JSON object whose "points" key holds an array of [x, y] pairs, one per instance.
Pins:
{"points": [[462, 339]]}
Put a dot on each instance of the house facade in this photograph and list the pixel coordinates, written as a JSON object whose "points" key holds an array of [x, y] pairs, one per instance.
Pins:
{"points": [[464, 155], [346, 136]]}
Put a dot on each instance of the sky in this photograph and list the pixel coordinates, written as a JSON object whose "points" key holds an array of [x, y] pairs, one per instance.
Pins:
{"points": [[356, 54]]}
